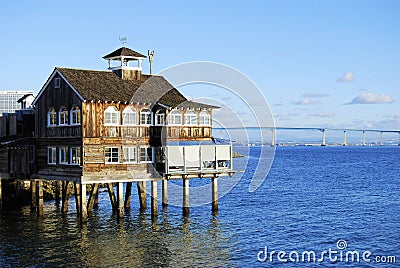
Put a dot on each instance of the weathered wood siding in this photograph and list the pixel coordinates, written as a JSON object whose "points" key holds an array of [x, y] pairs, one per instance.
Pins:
{"points": [[4, 159], [56, 98], [56, 136], [19, 161], [44, 168], [97, 136]]}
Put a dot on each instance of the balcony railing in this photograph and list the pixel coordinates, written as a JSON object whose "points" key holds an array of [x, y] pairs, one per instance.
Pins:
{"points": [[157, 131], [67, 131]]}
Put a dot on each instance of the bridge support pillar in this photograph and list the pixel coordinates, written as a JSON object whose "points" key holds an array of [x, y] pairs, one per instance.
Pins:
{"points": [[381, 139], [345, 138], [323, 137], [363, 139], [399, 139], [273, 138]]}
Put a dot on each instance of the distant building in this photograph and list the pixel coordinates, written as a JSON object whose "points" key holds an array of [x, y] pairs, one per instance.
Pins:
{"points": [[26, 101], [9, 100]]}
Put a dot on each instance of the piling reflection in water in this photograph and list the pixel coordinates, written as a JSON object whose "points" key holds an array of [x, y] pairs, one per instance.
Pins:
{"points": [[136, 240]]}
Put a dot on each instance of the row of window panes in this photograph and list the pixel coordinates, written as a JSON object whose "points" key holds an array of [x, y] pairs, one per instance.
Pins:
{"points": [[129, 117], [62, 118], [129, 155], [66, 155]]}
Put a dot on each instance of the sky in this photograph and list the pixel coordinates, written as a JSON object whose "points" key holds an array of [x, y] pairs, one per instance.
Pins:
{"points": [[317, 63]]}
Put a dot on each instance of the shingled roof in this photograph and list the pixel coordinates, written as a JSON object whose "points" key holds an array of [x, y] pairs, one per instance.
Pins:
{"points": [[124, 51], [107, 86]]}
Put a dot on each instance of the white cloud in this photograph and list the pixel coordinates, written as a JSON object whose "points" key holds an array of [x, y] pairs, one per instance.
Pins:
{"points": [[323, 114], [315, 95], [347, 77], [306, 101], [391, 122], [370, 98]]}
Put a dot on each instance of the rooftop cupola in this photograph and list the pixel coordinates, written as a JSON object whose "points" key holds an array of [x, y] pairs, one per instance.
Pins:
{"points": [[128, 63]]}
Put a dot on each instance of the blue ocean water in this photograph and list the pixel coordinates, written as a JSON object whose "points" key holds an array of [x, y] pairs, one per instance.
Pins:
{"points": [[312, 198]]}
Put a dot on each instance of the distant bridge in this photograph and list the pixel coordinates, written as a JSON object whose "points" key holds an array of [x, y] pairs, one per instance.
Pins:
{"points": [[323, 130]]}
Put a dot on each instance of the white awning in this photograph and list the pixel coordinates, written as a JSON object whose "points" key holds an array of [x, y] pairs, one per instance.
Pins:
{"points": [[208, 153], [223, 152], [175, 156], [192, 156]]}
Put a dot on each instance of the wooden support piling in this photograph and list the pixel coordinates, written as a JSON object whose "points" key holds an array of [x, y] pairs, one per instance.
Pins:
{"points": [[154, 202], [1, 192], [120, 199], [66, 190], [39, 198], [33, 194], [58, 192], [92, 197], [185, 202], [164, 193], [96, 200], [128, 193], [83, 204], [112, 196], [214, 193], [141, 186], [78, 201]]}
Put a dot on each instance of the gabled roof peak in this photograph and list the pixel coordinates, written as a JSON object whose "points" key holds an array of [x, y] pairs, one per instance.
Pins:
{"points": [[124, 52]]}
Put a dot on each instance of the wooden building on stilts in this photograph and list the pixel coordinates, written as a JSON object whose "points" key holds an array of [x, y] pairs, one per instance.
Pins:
{"points": [[116, 127]]}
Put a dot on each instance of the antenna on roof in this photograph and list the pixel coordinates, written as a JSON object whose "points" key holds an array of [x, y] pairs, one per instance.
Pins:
{"points": [[151, 56], [123, 40]]}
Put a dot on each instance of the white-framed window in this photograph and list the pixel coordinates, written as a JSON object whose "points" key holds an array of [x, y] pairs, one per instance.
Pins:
{"points": [[51, 155], [52, 117], [64, 155], [205, 118], [57, 83], [190, 118], [111, 116], [145, 117], [75, 153], [129, 154], [111, 155], [129, 116], [146, 154], [63, 116], [160, 118], [175, 117], [75, 115]]}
